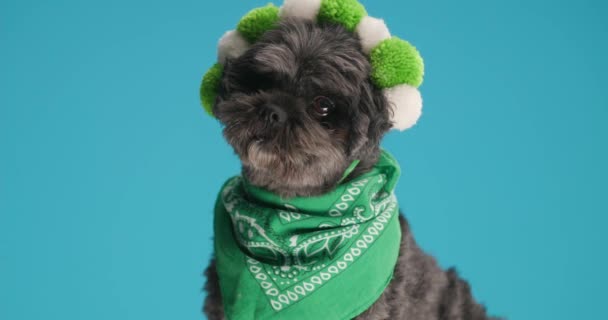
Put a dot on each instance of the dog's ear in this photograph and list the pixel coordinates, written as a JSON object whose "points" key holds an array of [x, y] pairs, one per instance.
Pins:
{"points": [[227, 83], [382, 122], [359, 133], [371, 121], [222, 90]]}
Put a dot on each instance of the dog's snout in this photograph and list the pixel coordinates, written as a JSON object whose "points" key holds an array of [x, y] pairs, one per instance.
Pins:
{"points": [[274, 114]]}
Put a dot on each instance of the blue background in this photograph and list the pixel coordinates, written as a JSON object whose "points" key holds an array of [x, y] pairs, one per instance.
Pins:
{"points": [[109, 166]]}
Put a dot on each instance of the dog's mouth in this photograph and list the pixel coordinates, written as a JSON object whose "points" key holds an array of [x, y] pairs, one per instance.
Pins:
{"points": [[260, 140], [263, 142], [274, 141], [278, 154], [266, 154]]}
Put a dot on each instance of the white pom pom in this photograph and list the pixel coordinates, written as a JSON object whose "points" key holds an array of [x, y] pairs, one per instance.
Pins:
{"points": [[232, 45], [306, 9], [406, 102], [372, 31]]}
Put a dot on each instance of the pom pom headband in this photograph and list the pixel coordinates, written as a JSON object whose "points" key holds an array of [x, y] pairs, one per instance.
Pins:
{"points": [[397, 67]]}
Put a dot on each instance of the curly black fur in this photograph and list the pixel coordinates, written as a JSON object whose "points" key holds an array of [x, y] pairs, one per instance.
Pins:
{"points": [[283, 73], [266, 106]]}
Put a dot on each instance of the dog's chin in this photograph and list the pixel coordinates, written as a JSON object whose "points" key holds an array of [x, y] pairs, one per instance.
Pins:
{"points": [[262, 155], [292, 172]]}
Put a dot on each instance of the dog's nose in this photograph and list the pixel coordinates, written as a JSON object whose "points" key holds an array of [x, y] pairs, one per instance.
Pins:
{"points": [[274, 114]]}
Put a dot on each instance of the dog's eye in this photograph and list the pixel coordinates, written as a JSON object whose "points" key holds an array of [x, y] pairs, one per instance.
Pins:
{"points": [[322, 106]]}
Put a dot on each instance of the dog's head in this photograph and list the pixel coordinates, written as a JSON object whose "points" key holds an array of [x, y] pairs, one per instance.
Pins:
{"points": [[299, 106]]}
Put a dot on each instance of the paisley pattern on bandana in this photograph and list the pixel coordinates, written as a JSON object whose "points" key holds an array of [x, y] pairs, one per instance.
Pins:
{"points": [[297, 250]]}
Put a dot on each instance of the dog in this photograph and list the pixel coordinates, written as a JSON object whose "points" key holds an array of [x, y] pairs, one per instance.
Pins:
{"points": [[298, 107]]}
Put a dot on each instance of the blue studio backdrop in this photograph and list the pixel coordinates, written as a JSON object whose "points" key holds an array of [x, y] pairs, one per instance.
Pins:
{"points": [[109, 166]]}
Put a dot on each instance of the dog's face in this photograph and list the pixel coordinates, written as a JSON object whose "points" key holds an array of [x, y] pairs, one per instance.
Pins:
{"points": [[299, 107]]}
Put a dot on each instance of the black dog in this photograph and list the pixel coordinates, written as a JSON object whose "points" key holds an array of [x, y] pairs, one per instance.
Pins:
{"points": [[298, 108]]}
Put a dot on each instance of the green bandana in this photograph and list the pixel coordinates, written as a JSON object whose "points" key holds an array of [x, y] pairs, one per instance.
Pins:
{"points": [[325, 257]]}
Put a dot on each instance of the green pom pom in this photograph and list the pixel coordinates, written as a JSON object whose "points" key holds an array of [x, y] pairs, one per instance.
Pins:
{"points": [[395, 61], [345, 12], [253, 25], [210, 86]]}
